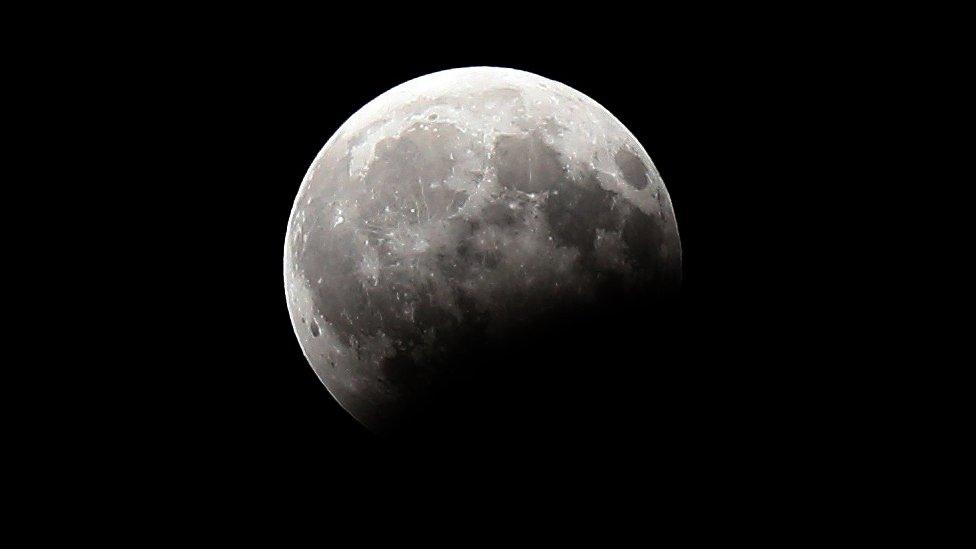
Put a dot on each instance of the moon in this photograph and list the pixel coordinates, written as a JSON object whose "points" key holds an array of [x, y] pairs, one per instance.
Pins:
{"points": [[459, 211]]}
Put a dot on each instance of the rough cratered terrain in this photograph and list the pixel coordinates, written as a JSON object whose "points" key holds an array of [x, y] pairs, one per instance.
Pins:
{"points": [[460, 209]]}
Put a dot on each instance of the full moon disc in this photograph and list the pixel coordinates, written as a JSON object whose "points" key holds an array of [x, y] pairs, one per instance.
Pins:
{"points": [[458, 211]]}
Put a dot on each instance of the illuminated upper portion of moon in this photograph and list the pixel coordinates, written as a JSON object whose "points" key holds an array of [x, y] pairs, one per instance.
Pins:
{"points": [[467, 199]]}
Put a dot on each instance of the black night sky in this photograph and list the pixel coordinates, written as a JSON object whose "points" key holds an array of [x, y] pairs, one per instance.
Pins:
{"points": [[727, 373]]}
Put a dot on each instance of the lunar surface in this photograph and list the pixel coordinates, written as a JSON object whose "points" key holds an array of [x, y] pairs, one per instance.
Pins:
{"points": [[457, 211]]}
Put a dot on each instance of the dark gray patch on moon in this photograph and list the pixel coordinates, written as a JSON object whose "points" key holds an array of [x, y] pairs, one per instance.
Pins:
{"points": [[526, 163], [633, 169]]}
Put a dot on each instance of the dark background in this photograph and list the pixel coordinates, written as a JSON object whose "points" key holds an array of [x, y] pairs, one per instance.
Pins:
{"points": [[791, 391], [728, 379], [177, 140]]}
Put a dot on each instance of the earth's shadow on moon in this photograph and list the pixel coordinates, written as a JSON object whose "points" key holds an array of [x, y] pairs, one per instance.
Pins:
{"points": [[596, 372]]}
